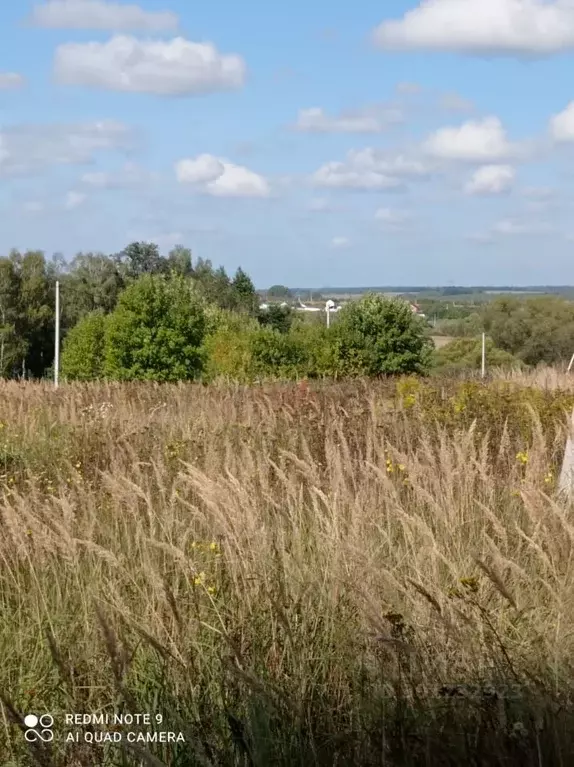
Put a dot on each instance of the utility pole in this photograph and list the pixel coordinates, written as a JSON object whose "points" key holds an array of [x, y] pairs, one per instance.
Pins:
{"points": [[57, 343]]}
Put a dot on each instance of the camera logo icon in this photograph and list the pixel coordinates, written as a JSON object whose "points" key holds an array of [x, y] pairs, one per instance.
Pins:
{"points": [[39, 728]]}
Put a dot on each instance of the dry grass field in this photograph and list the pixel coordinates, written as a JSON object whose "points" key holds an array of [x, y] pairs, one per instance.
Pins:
{"points": [[350, 574]]}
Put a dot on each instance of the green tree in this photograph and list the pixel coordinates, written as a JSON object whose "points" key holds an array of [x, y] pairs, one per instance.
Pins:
{"points": [[180, 261], [466, 327], [277, 317], [214, 284], [535, 330], [83, 349], [36, 312], [246, 296], [465, 354], [140, 258], [94, 281], [156, 331], [278, 291], [380, 336], [278, 355], [12, 342]]}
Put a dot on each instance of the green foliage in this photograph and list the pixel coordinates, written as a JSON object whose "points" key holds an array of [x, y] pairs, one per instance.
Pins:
{"points": [[463, 327], [31, 315], [140, 258], [156, 331], [246, 297], [535, 330], [319, 342], [228, 355], [83, 350], [180, 261], [227, 349], [278, 355], [94, 282], [380, 336], [465, 354], [276, 317], [278, 291], [504, 411]]}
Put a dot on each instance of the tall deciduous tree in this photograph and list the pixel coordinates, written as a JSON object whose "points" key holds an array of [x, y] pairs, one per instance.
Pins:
{"points": [[93, 282], [142, 258], [36, 310], [156, 331]]}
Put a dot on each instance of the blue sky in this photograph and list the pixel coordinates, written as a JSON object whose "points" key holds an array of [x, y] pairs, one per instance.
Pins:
{"points": [[313, 143]]}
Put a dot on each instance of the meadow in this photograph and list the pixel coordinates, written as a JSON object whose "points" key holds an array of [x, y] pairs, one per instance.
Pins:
{"points": [[353, 573]]}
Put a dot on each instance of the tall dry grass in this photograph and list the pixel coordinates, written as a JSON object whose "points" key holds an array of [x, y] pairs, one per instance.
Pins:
{"points": [[286, 576]]}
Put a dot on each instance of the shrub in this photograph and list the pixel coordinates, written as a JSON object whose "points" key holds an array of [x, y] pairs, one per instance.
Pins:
{"points": [[156, 331], [83, 349], [277, 317], [466, 354], [320, 349], [380, 336], [278, 355]]}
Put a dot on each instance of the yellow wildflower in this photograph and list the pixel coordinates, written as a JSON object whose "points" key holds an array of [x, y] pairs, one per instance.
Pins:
{"points": [[522, 457]]}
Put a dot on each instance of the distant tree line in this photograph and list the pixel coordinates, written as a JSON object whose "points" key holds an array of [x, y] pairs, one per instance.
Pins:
{"points": [[92, 282], [532, 331]]}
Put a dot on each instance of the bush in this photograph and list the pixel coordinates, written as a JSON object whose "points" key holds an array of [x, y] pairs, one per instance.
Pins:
{"points": [[277, 317], [278, 355], [83, 349], [536, 329], [156, 331], [320, 348], [465, 354], [380, 336]]}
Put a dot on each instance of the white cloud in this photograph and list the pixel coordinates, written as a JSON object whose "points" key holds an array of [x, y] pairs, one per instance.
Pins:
{"points": [[31, 148], [391, 219], [221, 178], [169, 68], [11, 80], [99, 14], [74, 200], [474, 141], [338, 175], [515, 27], [369, 169], [491, 179], [340, 242], [202, 169], [562, 125], [369, 120]]}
